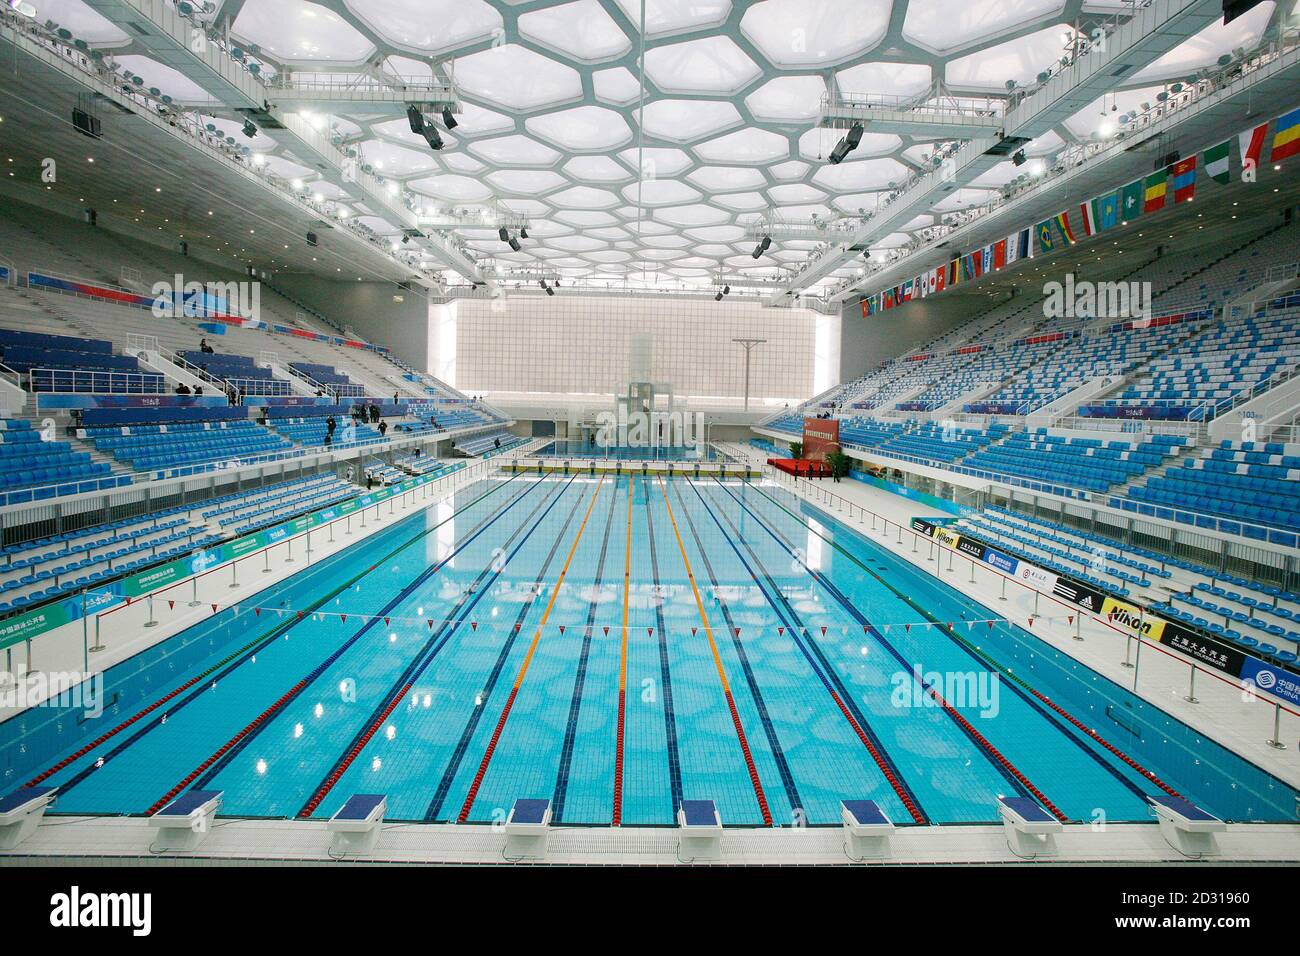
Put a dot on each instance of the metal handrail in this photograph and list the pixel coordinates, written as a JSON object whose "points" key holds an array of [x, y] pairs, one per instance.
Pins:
{"points": [[125, 382]]}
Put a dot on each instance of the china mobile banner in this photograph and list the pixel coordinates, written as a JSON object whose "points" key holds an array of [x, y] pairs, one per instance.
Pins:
{"points": [[820, 437], [1207, 651]]}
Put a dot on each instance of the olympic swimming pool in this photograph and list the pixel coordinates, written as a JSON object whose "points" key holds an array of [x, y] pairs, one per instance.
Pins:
{"points": [[617, 644]]}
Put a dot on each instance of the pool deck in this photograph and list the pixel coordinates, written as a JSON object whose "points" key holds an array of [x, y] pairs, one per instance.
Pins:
{"points": [[86, 841], [1161, 677]]}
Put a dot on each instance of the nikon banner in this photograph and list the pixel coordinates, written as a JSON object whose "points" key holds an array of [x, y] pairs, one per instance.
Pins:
{"points": [[1207, 651], [24, 627]]}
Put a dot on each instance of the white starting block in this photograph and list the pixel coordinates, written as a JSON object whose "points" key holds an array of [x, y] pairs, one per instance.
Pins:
{"points": [[701, 831], [527, 829], [866, 830], [1187, 828], [21, 813], [184, 823], [355, 828], [1030, 830]]}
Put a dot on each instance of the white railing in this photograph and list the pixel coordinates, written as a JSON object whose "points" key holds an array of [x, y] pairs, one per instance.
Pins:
{"points": [[137, 343], [47, 380]]}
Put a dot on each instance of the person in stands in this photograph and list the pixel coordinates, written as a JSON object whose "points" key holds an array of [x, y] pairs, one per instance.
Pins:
{"points": [[383, 429], [183, 389]]}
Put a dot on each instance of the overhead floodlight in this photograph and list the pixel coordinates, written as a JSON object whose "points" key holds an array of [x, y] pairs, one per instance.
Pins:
{"points": [[523, 232], [514, 244], [761, 247], [431, 137], [504, 234], [1018, 158], [448, 120], [416, 119], [847, 145], [718, 297], [249, 129]]}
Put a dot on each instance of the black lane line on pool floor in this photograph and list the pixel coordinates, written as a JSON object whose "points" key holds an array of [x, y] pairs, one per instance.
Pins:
{"points": [[1015, 688], [1018, 685], [826, 673], [580, 678], [769, 730], [665, 672], [235, 660], [430, 650], [476, 713], [1008, 773], [208, 770]]}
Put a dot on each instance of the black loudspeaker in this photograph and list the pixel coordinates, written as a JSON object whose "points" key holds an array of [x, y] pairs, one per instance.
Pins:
{"points": [[85, 123], [90, 216], [183, 247], [311, 238]]}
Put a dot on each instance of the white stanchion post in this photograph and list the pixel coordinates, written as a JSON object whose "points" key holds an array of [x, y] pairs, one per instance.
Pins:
{"points": [[1191, 687], [1276, 741], [152, 622]]}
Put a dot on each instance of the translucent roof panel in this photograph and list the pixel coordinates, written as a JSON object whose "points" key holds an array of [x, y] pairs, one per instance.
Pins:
{"points": [[168, 80], [943, 26], [428, 25], [795, 193], [865, 174], [1021, 59], [686, 120], [674, 16], [1208, 45], [582, 30], [793, 33], [596, 169], [514, 151], [745, 146], [585, 197], [83, 22], [899, 79], [726, 178], [295, 31], [707, 65], [515, 77], [857, 204], [741, 202], [787, 98], [526, 181], [581, 128], [479, 121], [660, 192], [452, 188], [395, 160], [1100, 117], [694, 215], [617, 86]]}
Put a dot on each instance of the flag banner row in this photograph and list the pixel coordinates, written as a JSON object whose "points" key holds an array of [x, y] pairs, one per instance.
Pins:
{"points": [[1170, 185]]}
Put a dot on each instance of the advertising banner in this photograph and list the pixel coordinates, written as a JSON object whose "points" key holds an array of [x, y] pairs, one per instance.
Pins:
{"points": [[820, 436]]}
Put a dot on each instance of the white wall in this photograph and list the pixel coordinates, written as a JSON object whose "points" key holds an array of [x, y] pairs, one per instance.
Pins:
{"points": [[578, 345]]}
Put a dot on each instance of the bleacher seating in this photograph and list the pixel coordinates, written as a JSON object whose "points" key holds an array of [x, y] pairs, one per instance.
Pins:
{"points": [[312, 430], [153, 447], [59, 363], [486, 444], [247, 511], [383, 473], [240, 371], [339, 385], [1092, 464], [1257, 483], [54, 467]]}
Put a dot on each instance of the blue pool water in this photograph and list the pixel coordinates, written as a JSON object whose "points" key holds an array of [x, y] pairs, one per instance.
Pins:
{"points": [[580, 449], [753, 650]]}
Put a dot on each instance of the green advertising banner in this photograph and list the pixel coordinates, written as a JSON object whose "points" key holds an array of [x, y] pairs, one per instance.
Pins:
{"points": [[24, 627]]}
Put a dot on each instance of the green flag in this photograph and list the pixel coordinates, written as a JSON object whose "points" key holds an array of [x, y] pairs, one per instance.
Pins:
{"points": [[1216, 162], [1130, 201]]}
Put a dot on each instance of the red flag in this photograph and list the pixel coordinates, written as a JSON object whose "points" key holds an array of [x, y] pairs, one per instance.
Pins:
{"points": [[907, 628], [344, 618], [780, 630], [214, 609], [738, 632], [385, 622], [473, 625], [257, 612], [561, 628], [1070, 618], [171, 605], [823, 630], [606, 630], [431, 624], [300, 615], [693, 630], [650, 631]]}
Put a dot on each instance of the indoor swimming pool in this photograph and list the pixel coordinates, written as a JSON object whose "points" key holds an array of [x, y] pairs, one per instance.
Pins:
{"points": [[617, 644]]}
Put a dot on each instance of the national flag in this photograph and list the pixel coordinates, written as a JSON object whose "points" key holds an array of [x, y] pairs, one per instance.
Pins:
{"points": [[1153, 191], [889, 298], [1088, 213], [953, 272], [907, 291], [1286, 135], [986, 259], [1216, 162], [1183, 174], [1108, 210], [940, 278], [999, 254], [1131, 199], [1025, 243], [1054, 233], [1252, 146]]}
